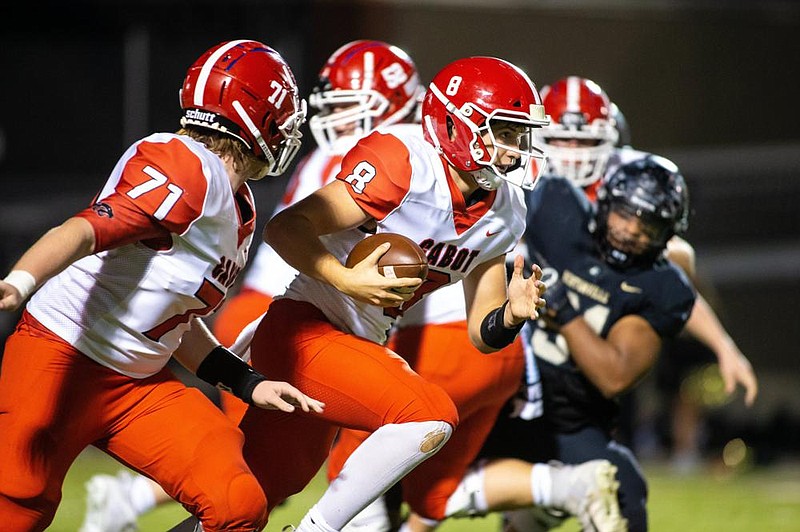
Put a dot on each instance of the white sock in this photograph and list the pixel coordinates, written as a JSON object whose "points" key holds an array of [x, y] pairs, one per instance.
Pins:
{"points": [[469, 498], [541, 485], [141, 495], [314, 522], [376, 465], [373, 518]]}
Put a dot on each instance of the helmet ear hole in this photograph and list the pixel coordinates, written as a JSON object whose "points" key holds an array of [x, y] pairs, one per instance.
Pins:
{"points": [[451, 126]]}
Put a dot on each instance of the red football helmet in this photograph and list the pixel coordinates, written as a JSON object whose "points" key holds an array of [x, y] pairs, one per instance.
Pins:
{"points": [[245, 89], [364, 84], [583, 133], [467, 96]]}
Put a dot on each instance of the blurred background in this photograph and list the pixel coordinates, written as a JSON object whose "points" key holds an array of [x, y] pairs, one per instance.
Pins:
{"points": [[709, 84]]}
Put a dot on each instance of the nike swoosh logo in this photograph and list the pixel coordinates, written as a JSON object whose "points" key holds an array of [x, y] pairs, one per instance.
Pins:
{"points": [[489, 232], [630, 288]]}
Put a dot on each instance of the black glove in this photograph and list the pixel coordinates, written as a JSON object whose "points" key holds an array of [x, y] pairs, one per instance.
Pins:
{"points": [[559, 309]]}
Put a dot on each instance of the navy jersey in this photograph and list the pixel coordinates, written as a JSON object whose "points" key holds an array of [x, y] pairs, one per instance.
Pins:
{"points": [[560, 241]]}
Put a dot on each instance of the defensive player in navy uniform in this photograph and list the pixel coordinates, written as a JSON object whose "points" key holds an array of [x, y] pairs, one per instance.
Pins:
{"points": [[612, 297]]}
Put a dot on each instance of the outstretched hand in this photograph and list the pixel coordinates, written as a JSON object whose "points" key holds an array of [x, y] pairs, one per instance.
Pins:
{"points": [[278, 395], [736, 369], [524, 294]]}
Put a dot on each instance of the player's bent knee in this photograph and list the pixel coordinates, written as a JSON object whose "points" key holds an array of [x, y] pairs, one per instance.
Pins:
{"points": [[244, 507], [434, 405]]}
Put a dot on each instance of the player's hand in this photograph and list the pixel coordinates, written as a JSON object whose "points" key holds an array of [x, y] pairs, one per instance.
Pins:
{"points": [[365, 283], [524, 294], [10, 298], [277, 395], [559, 310], [736, 369]]}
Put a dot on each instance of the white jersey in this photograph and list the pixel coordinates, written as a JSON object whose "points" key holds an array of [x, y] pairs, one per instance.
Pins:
{"points": [[128, 306], [269, 273], [402, 182]]}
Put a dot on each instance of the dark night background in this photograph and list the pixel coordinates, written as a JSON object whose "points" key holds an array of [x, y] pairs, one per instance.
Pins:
{"points": [[712, 85]]}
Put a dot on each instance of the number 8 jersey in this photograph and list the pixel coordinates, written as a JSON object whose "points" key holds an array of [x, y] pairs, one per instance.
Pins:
{"points": [[170, 238]]}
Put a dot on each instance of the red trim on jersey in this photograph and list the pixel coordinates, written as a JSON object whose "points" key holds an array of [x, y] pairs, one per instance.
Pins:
{"points": [[463, 216], [245, 208], [118, 221], [381, 193], [591, 191], [294, 181]]}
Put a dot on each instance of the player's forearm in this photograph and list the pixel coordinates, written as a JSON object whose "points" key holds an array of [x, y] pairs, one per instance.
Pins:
{"points": [[598, 359], [295, 239], [196, 343], [704, 325], [57, 249]]}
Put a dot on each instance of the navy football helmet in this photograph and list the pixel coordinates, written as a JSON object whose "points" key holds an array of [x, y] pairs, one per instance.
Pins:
{"points": [[651, 189]]}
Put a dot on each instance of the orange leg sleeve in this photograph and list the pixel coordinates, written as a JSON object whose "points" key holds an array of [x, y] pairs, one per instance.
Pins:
{"points": [[479, 385], [363, 385], [54, 402]]}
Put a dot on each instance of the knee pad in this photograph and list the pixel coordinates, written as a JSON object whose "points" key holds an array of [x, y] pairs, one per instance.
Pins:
{"points": [[244, 508]]}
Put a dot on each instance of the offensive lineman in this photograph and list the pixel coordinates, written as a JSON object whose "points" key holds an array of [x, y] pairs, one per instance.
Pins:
{"points": [[121, 286]]}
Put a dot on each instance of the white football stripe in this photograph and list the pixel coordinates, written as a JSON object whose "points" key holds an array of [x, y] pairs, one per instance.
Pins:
{"points": [[200, 88], [574, 94]]}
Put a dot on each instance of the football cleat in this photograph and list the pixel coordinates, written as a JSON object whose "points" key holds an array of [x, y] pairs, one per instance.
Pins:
{"points": [[108, 504], [589, 492]]}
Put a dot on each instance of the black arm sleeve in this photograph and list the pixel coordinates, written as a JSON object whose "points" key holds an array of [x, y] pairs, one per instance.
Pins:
{"points": [[223, 369]]}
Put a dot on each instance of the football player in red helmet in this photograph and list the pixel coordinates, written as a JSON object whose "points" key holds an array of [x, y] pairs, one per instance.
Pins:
{"points": [[583, 133], [433, 337], [120, 288], [363, 85], [328, 330], [460, 118]]}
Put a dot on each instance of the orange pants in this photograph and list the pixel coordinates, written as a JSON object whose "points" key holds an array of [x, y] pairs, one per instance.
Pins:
{"points": [[363, 385], [479, 385], [54, 402], [235, 314]]}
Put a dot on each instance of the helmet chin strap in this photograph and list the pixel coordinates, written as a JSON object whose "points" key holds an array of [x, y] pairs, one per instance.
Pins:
{"points": [[251, 127]]}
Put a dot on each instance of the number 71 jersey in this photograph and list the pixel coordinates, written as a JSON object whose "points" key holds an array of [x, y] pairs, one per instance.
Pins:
{"points": [[171, 236]]}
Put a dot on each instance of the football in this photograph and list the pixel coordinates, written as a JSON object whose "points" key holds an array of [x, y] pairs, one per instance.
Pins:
{"points": [[404, 259]]}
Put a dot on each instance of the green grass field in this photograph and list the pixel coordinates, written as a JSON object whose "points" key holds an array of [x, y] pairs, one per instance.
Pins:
{"points": [[761, 500]]}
